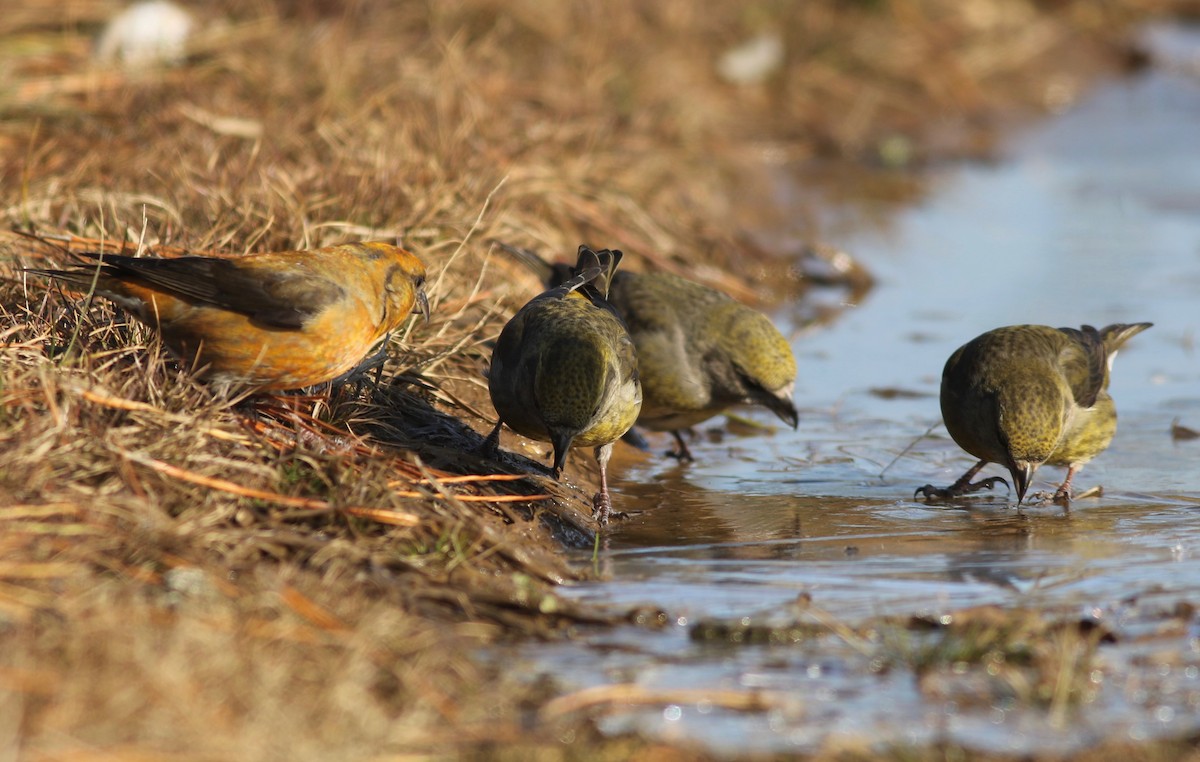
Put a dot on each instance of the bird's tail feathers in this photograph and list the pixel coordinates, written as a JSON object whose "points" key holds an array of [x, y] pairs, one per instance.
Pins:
{"points": [[597, 267], [1115, 335], [551, 273], [80, 278], [591, 266], [80, 273]]}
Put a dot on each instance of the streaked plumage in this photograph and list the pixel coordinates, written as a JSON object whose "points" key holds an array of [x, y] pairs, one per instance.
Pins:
{"points": [[699, 351], [564, 370], [1027, 395]]}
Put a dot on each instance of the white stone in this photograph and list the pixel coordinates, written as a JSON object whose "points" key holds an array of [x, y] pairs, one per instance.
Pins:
{"points": [[146, 33]]}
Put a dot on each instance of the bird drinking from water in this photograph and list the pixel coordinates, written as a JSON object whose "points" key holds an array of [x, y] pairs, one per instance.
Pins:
{"points": [[1028, 395]]}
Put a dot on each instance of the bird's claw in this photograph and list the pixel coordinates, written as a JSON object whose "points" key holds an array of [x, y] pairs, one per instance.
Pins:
{"points": [[959, 488], [602, 508], [1064, 495], [358, 374], [490, 447], [988, 483], [682, 453], [1041, 498]]}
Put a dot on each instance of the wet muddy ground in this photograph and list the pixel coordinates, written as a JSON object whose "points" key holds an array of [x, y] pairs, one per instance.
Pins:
{"points": [[1092, 217]]}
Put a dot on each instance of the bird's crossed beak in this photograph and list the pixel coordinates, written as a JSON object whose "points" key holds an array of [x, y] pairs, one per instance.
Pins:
{"points": [[783, 407], [422, 305], [1022, 474], [780, 403]]}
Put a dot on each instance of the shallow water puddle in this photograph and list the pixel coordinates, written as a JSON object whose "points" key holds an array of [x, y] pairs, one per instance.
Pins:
{"points": [[1093, 217]]}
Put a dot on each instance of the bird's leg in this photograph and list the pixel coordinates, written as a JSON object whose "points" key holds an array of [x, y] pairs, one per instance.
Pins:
{"points": [[963, 486], [374, 361], [491, 445], [379, 359], [683, 453], [1062, 495], [602, 502]]}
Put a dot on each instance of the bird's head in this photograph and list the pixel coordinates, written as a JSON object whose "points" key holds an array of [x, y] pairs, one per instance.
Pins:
{"points": [[1022, 472], [404, 285], [764, 361], [1033, 411]]}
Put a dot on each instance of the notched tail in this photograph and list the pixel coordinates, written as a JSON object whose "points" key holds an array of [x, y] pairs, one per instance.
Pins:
{"points": [[1100, 349], [604, 264], [1114, 336]]}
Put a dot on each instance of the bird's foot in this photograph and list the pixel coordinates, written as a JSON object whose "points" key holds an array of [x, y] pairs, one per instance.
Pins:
{"points": [[959, 488], [603, 511], [1063, 495], [359, 373], [1040, 498], [602, 508], [490, 447], [681, 452]]}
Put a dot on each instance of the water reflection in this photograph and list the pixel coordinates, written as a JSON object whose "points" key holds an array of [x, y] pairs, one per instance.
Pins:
{"points": [[699, 552]]}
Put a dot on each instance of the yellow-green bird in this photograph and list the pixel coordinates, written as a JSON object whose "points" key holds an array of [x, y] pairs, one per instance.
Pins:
{"points": [[564, 370], [699, 351], [1026, 395]]}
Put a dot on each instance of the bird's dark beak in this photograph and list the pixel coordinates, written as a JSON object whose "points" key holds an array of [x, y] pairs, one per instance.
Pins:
{"points": [[786, 410], [562, 444], [780, 403], [422, 305], [1022, 474]]}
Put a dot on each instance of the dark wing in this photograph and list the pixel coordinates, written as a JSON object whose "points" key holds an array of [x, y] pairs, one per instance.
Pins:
{"points": [[1084, 361], [281, 298]]}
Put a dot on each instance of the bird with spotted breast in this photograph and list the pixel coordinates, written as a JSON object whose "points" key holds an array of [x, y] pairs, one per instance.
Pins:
{"points": [[1028, 395], [267, 321], [564, 370], [700, 351]]}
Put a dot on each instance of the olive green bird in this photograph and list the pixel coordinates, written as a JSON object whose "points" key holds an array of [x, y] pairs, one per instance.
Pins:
{"points": [[1027, 395], [564, 370], [699, 351]]}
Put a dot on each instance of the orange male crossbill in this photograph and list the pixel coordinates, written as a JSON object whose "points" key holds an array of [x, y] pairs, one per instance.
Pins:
{"points": [[278, 320]]}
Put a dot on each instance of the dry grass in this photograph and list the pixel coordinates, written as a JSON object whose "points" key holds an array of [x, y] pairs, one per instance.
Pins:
{"points": [[191, 576]]}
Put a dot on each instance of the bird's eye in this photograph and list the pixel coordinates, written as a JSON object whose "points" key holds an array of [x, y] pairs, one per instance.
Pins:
{"points": [[420, 281]]}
